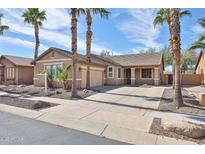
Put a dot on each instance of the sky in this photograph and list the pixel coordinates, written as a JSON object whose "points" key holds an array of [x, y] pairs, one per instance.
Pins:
{"points": [[127, 31]]}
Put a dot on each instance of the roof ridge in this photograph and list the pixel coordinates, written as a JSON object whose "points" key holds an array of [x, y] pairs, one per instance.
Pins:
{"points": [[17, 56], [133, 54]]}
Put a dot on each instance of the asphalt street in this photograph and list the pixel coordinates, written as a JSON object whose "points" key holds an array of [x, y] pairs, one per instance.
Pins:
{"points": [[16, 130]]}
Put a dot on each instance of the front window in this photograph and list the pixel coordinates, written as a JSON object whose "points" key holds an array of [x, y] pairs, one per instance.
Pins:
{"points": [[119, 72], [10, 72], [52, 69], [110, 72], [146, 73]]}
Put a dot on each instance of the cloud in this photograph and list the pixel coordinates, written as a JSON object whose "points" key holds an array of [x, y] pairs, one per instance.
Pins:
{"points": [[20, 42], [197, 29], [56, 30], [57, 19], [139, 29]]}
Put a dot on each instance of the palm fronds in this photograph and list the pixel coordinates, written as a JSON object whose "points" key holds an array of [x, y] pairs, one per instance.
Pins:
{"points": [[2, 27]]}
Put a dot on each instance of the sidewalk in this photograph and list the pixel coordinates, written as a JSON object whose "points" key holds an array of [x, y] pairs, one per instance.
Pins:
{"points": [[124, 124]]}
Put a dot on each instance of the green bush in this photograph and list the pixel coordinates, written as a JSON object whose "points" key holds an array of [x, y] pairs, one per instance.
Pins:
{"points": [[63, 76]]}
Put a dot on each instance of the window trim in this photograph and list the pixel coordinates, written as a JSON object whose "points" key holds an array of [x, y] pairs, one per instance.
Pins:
{"points": [[52, 64], [109, 72], [152, 74]]}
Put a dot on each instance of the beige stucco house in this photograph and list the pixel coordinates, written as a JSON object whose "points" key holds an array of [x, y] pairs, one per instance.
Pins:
{"points": [[133, 69], [16, 70], [200, 66]]}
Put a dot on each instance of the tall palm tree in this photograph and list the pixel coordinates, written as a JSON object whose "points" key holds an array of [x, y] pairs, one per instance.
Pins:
{"points": [[175, 40], [164, 15], [35, 17], [74, 12], [2, 27], [103, 14], [200, 44]]}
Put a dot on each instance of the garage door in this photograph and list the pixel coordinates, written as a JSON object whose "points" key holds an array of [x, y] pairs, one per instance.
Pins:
{"points": [[96, 78]]}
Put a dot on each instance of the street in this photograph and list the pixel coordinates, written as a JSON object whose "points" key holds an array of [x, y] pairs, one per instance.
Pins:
{"points": [[19, 130]]}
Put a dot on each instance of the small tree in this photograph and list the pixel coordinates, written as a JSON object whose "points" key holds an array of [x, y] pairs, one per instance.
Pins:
{"points": [[149, 50], [63, 76], [106, 53]]}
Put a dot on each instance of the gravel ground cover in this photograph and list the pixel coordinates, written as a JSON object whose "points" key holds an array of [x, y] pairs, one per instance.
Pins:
{"points": [[157, 129], [191, 104], [24, 103], [40, 91]]}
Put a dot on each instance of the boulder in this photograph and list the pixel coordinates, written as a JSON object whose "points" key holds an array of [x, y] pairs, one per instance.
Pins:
{"points": [[58, 92], [20, 86], [188, 129]]}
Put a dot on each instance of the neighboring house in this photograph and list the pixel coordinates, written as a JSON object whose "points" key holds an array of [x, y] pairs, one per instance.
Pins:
{"points": [[130, 69], [16, 70], [200, 66]]}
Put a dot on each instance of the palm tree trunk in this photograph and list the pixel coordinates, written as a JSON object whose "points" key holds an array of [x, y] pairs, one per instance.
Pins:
{"points": [[74, 50], [36, 28], [173, 65], [88, 46], [173, 71], [175, 37]]}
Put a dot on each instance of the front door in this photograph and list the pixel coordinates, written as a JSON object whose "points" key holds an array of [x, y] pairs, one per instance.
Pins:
{"points": [[128, 76], [170, 79]]}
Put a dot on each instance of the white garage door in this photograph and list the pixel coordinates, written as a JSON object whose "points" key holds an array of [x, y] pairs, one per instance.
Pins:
{"points": [[96, 78]]}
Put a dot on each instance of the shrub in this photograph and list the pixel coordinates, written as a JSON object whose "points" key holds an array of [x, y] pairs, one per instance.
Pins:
{"points": [[63, 76]]}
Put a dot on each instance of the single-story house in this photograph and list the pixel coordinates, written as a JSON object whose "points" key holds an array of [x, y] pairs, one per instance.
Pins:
{"points": [[16, 70], [200, 66], [133, 69]]}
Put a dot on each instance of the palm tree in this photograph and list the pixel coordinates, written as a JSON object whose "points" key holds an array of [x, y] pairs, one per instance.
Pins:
{"points": [[164, 15], [175, 40], [103, 14], [200, 44], [35, 17], [2, 27], [74, 12]]}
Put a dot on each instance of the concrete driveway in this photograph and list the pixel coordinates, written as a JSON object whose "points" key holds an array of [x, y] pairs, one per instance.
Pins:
{"points": [[141, 97]]}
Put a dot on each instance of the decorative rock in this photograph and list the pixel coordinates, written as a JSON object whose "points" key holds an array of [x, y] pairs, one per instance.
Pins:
{"points": [[85, 91], [20, 86], [40, 104], [59, 92], [184, 128], [12, 89]]}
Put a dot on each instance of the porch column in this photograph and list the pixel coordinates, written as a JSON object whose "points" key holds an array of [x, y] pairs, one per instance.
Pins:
{"points": [[156, 76], [133, 78]]}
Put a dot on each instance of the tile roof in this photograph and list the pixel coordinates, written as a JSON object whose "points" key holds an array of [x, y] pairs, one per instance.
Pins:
{"points": [[141, 59], [80, 57], [19, 61]]}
